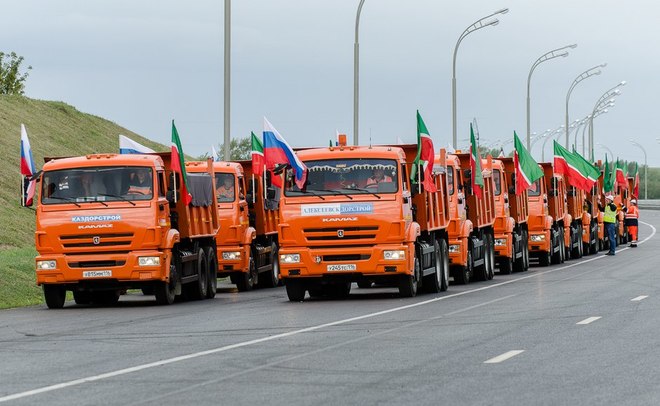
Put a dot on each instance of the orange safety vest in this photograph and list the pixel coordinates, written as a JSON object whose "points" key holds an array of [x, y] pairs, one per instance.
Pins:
{"points": [[139, 190], [632, 213]]}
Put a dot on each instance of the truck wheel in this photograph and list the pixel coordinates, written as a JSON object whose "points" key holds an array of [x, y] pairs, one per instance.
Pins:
{"points": [[246, 280], [55, 296], [463, 274], [148, 291], [82, 297], [165, 292], [105, 297], [339, 290], [408, 283], [432, 283], [444, 251], [506, 265], [556, 257], [212, 263], [272, 278], [491, 252], [526, 255], [198, 289], [576, 237], [295, 290]]}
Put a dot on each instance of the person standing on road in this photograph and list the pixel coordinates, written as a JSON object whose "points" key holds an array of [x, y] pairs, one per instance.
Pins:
{"points": [[609, 220], [632, 217]]}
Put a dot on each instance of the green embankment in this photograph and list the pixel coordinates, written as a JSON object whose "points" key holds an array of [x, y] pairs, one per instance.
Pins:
{"points": [[55, 129]]}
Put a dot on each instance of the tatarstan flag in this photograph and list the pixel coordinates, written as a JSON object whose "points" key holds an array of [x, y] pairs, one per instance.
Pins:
{"points": [[573, 168], [608, 179], [178, 165], [425, 157], [591, 170], [258, 161], [620, 175], [527, 170], [475, 166]]}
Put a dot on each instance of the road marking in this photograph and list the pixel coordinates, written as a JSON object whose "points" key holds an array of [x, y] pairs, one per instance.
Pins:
{"points": [[589, 320], [639, 298], [504, 357], [168, 361]]}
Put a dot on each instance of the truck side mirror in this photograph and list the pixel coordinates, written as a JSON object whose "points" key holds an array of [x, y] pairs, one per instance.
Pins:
{"points": [[270, 193], [467, 174], [571, 192], [170, 196], [512, 190]]}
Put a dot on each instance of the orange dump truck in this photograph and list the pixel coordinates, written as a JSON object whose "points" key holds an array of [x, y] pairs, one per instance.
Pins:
{"points": [[471, 234], [247, 240], [548, 220], [511, 234], [358, 219], [107, 223], [592, 241], [580, 225]]}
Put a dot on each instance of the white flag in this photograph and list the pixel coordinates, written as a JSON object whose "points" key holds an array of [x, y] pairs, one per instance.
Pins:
{"points": [[214, 154], [450, 149], [128, 146]]}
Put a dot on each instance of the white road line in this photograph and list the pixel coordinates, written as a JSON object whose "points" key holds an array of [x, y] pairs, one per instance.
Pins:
{"points": [[504, 357], [639, 298], [167, 361], [589, 320]]}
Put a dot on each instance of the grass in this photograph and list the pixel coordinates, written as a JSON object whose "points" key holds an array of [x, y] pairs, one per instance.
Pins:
{"points": [[55, 129]]}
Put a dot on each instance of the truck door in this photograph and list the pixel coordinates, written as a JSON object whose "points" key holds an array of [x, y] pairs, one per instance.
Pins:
{"points": [[406, 206]]}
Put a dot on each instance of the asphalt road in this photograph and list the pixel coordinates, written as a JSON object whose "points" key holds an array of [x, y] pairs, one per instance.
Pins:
{"points": [[585, 332]]}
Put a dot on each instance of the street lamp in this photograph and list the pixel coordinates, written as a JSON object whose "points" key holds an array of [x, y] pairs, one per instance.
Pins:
{"points": [[227, 84], [477, 25], [612, 92], [589, 118], [582, 76], [555, 53], [605, 148], [646, 168], [552, 135], [356, 75], [538, 137]]}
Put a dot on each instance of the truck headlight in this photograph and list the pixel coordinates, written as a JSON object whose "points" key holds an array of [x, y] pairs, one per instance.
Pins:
{"points": [[148, 261], [231, 255], [290, 258], [46, 265], [537, 237], [394, 254], [500, 242], [454, 248]]}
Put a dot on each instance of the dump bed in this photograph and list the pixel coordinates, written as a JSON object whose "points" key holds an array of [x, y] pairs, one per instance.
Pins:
{"points": [[575, 201], [264, 216], [554, 185], [518, 204], [481, 212], [432, 208]]}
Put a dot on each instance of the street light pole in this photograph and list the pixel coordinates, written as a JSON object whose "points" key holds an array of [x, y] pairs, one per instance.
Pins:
{"points": [[605, 148], [614, 91], [582, 76], [550, 136], [227, 84], [646, 167], [543, 58], [477, 25], [356, 76]]}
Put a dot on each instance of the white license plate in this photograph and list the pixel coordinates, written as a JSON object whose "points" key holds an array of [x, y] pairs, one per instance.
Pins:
{"points": [[342, 267], [97, 274]]}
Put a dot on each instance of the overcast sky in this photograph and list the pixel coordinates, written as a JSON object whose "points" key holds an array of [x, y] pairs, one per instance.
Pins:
{"points": [[142, 63]]}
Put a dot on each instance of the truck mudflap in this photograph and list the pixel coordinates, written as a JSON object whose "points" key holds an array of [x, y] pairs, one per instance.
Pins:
{"points": [[366, 261], [72, 269]]}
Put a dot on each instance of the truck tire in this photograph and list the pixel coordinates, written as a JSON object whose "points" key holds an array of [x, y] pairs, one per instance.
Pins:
{"points": [[212, 281], [271, 278], [408, 283], [526, 252], [486, 268], [55, 296], [575, 238], [506, 265], [565, 253], [165, 292], [444, 250], [82, 297], [432, 283], [491, 252], [197, 290], [295, 290], [556, 257], [464, 274], [148, 291], [247, 280]]}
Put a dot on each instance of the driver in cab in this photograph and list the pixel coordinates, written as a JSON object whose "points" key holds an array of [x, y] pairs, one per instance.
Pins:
{"points": [[378, 176], [140, 184]]}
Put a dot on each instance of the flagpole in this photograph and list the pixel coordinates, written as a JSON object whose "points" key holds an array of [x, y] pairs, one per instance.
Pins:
{"points": [[175, 199], [263, 183], [22, 191], [254, 190]]}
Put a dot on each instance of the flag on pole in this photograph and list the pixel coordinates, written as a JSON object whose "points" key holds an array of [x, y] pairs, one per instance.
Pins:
{"points": [[28, 168], [214, 154], [475, 167], [575, 170], [635, 176], [277, 151], [258, 161], [591, 171], [501, 154], [424, 158], [128, 146], [450, 149], [527, 170], [620, 175], [608, 179], [178, 166]]}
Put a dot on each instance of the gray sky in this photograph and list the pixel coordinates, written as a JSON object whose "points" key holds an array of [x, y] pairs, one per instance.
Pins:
{"points": [[141, 63]]}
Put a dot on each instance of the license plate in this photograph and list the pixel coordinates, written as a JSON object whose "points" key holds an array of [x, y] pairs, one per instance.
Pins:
{"points": [[97, 274], [342, 267]]}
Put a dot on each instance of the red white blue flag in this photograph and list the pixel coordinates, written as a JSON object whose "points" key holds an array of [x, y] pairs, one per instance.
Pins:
{"points": [[277, 151], [27, 165]]}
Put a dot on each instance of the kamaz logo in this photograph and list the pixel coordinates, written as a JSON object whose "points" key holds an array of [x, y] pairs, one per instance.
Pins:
{"points": [[340, 233], [330, 220], [96, 240]]}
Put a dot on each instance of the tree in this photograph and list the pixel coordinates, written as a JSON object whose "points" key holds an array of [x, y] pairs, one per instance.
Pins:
{"points": [[12, 81], [239, 149]]}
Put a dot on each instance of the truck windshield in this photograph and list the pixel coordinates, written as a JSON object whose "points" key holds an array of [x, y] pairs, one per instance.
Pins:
{"points": [[497, 181], [97, 184], [225, 187], [347, 177], [535, 188]]}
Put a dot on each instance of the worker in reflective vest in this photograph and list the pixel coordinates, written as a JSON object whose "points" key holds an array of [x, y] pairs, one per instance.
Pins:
{"points": [[632, 217], [609, 220]]}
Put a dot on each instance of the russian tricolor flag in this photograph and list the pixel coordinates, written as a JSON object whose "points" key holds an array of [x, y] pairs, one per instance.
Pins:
{"points": [[277, 151], [27, 165], [128, 146]]}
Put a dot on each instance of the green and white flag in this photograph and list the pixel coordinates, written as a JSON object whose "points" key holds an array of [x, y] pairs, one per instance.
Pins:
{"points": [[527, 169]]}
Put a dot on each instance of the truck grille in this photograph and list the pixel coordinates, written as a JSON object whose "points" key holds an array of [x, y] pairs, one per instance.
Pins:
{"points": [[96, 264], [97, 240], [346, 257], [340, 233]]}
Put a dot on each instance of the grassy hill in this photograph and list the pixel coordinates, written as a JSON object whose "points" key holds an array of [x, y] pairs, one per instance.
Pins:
{"points": [[54, 129]]}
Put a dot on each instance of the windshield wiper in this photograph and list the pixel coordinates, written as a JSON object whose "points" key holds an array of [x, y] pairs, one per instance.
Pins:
{"points": [[95, 201], [339, 190], [118, 196], [66, 199], [306, 192], [368, 191]]}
